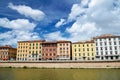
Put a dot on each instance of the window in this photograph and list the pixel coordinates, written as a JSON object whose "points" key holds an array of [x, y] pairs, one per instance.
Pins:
{"points": [[60, 48], [75, 50], [79, 45], [105, 48], [91, 44], [67, 48], [79, 49], [66, 44], [114, 43], [53, 49], [115, 52], [115, 47], [36, 47], [87, 45], [83, 49], [88, 54], [50, 54], [110, 43], [83, 54], [106, 53], [60, 44], [96, 44], [96, 48], [50, 49], [110, 48], [105, 43], [79, 54], [101, 53], [74, 45], [92, 54], [110, 52], [75, 54], [87, 49], [97, 53], [83, 45], [92, 49]]}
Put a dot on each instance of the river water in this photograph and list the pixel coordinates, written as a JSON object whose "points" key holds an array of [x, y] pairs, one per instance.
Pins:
{"points": [[59, 74]]}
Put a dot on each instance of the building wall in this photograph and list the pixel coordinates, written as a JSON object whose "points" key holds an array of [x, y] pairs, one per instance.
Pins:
{"points": [[108, 48], [83, 51], [64, 50], [7, 53], [29, 50], [49, 51]]}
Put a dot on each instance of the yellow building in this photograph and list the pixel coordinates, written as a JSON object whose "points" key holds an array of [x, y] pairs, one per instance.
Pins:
{"points": [[83, 50], [29, 50]]}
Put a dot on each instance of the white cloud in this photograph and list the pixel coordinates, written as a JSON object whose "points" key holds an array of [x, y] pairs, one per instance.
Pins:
{"points": [[78, 28], [11, 37], [76, 11], [27, 11], [54, 36], [18, 24], [21, 29], [60, 23], [93, 17]]}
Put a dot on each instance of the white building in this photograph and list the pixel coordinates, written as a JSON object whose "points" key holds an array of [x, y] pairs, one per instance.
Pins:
{"points": [[107, 47]]}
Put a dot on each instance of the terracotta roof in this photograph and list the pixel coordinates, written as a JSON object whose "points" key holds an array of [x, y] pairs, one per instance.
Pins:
{"points": [[106, 36], [83, 42], [50, 42], [63, 41], [32, 41], [7, 47]]}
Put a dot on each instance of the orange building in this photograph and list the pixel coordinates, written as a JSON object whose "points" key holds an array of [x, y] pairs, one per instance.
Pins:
{"points": [[7, 53], [64, 50], [49, 50]]}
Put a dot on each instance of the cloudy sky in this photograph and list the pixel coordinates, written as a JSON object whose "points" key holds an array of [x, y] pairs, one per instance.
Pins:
{"points": [[73, 20]]}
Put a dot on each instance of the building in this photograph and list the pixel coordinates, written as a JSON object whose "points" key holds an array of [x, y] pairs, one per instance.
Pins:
{"points": [[7, 53], [29, 50], [64, 50], [49, 50], [107, 47], [83, 50]]}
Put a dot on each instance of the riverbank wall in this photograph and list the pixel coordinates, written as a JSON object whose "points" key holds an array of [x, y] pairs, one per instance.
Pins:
{"points": [[61, 64]]}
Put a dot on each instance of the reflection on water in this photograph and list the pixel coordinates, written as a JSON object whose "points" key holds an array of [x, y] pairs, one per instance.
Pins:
{"points": [[59, 74]]}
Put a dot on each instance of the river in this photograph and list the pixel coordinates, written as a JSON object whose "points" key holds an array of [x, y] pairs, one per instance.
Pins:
{"points": [[59, 74]]}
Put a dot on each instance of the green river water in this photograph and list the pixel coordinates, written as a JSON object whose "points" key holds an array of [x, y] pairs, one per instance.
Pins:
{"points": [[59, 74]]}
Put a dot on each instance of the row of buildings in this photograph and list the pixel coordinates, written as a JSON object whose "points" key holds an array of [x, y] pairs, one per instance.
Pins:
{"points": [[105, 47]]}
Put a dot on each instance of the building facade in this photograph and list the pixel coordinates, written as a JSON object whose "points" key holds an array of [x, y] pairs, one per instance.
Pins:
{"points": [[29, 50], [49, 50], [7, 53], [83, 50], [64, 50], [107, 47]]}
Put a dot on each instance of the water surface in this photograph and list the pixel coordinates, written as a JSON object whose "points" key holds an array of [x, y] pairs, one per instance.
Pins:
{"points": [[59, 74]]}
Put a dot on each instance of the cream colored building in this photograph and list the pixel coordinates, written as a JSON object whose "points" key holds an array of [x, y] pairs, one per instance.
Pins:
{"points": [[29, 50], [83, 50]]}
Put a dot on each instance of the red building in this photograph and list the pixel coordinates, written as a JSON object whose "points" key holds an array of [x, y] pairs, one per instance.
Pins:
{"points": [[49, 50]]}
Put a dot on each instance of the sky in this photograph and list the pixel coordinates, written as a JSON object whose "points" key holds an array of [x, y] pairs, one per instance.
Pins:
{"points": [[74, 20]]}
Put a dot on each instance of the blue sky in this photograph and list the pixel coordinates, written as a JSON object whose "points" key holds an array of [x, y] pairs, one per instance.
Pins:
{"points": [[72, 20]]}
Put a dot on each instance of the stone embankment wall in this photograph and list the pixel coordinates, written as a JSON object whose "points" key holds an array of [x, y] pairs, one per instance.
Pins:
{"points": [[62, 64]]}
